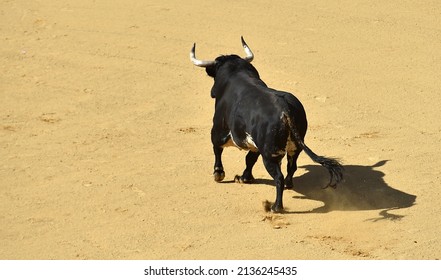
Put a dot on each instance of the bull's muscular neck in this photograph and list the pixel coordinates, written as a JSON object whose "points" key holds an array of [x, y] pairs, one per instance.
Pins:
{"points": [[236, 73]]}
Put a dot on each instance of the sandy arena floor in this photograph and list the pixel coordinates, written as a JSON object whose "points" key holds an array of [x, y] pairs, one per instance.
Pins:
{"points": [[105, 148]]}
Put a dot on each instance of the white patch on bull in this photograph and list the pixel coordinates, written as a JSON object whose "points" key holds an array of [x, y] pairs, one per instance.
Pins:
{"points": [[291, 146], [279, 153], [250, 143], [230, 142]]}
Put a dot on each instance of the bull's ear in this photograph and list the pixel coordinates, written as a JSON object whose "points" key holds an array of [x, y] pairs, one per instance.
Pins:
{"points": [[211, 70]]}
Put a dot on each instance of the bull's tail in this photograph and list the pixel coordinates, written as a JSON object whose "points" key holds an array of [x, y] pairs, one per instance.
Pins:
{"points": [[331, 164]]}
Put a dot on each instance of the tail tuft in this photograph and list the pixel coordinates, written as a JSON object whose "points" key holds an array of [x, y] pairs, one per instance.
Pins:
{"points": [[331, 164]]}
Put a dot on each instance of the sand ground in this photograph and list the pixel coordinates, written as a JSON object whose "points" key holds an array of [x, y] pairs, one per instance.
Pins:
{"points": [[105, 148]]}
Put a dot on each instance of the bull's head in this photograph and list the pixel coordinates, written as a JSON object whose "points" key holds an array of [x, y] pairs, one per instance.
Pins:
{"points": [[210, 65]]}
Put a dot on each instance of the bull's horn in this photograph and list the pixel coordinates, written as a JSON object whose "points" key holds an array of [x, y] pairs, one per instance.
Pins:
{"points": [[197, 62], [248, 51]]}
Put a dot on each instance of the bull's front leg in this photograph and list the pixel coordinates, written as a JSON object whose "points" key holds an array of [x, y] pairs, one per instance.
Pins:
{"points": [[219, 137], [218, 173], [247, 176]]}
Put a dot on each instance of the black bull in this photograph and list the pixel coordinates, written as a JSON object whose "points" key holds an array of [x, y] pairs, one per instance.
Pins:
{"points": [[264, 121]]}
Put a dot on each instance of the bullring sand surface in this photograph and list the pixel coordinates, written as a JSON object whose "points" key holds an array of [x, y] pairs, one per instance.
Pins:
{"points": [[105, 148]]}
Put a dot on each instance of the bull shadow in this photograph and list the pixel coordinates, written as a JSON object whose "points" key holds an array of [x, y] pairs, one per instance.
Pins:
{"points": [[363, 188]]}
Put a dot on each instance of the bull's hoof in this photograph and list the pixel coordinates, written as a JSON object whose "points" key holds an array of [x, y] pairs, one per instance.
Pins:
{"points": [[243, 180], [288, 184], [219, 175], [277, 208]]}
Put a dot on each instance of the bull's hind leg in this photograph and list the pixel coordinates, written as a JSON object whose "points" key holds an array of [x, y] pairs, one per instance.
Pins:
{"points": [[291, 168], [247, 176], [272, 165]]}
